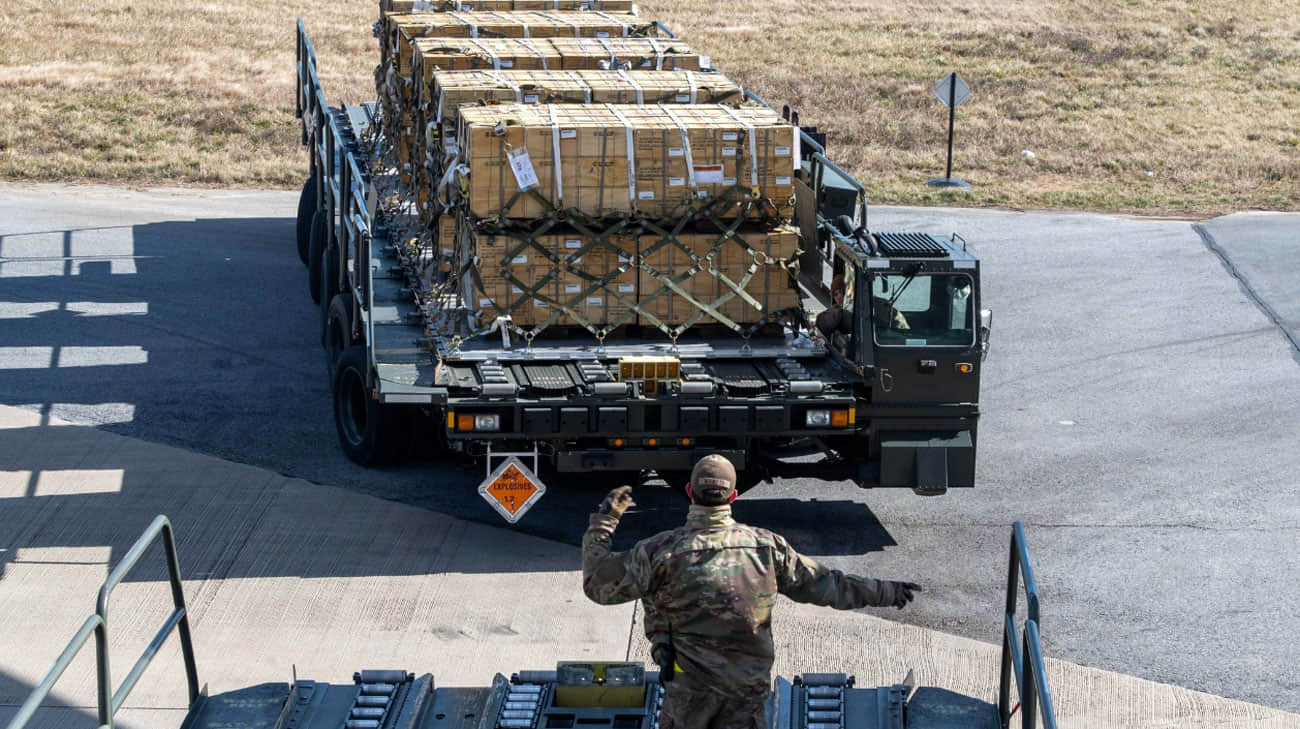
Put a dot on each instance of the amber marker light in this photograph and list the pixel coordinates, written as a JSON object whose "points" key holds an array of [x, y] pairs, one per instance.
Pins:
{"points": [[451, 420], [965, 368], [839, 418], [464, 422]]}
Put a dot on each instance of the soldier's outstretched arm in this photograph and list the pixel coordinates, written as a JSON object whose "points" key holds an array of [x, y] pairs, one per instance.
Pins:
{"points": [[804, 579], [610, 577]]}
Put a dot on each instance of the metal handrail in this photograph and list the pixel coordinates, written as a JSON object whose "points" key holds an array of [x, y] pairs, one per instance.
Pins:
{"points": [[110, 701], [1023, 658]]}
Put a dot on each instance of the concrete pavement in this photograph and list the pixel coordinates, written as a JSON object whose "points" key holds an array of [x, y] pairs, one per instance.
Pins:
{"points": [[280, 572], [1140, 408]]}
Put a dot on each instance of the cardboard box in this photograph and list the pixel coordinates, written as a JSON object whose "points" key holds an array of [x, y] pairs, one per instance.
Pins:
{"points": [[434, 122], [709, 267], [438, 6], [401, 30], [578, 157]]}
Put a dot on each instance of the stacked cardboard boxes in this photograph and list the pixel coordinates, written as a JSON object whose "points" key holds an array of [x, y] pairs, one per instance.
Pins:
{"points": [[403, 30], [564, 69], [592, 179], [601, 159]]}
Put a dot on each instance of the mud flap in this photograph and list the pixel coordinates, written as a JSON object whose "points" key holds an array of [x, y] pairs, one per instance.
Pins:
{"points": [[931, 471], [927, 462]]}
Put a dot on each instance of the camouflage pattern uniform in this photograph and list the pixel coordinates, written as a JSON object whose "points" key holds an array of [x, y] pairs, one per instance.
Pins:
{"points": [[710, 585]]}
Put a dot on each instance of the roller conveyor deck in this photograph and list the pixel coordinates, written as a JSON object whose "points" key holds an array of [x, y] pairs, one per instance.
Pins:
{"points": [[536, 700]]}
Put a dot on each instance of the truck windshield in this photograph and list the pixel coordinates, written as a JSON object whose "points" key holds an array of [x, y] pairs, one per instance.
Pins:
{"points": [[923, 310]]}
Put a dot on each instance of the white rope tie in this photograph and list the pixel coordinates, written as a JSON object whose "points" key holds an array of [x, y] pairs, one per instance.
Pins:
{"points": [[501, 80], [753, 146], [586, 88], [536, 52], [555, 154], [631, 154], [640, 96], [686, 146], [496, 60]]}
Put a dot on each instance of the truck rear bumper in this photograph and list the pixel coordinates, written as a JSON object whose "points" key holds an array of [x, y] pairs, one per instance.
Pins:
{"points": [[927, 461]]}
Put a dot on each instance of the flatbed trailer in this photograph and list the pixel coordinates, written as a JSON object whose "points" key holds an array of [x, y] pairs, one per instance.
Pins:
{"points": [[580, 694], [877, 403]]}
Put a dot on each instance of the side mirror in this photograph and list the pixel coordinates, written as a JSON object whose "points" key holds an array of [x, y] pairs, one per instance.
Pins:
{"points": [[986, 324]]}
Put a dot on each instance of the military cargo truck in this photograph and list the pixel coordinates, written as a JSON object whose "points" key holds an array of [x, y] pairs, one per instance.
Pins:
{"points": [[574, 285]]}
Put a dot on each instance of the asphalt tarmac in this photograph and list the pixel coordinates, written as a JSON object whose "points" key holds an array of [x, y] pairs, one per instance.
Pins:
{"points": [[1141, 410]]}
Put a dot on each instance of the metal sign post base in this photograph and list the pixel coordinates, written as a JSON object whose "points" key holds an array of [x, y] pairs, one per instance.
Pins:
{"points": [[948, 182]]}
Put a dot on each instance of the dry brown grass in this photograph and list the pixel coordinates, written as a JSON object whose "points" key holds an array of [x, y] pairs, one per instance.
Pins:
{"points": [[1177, 107]]}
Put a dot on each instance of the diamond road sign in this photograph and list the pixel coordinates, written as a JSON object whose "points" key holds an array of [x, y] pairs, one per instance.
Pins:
{"points": [[512, 489], [952, 89]]}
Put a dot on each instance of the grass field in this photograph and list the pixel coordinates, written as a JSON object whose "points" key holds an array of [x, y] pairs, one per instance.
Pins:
{"points": [[1171, 108]]}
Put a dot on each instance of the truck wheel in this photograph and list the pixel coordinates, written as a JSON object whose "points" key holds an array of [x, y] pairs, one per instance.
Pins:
{"points": [[676, 480], [368, 430], [425, 439], [338, 329], [316, 254], [306, 216]]}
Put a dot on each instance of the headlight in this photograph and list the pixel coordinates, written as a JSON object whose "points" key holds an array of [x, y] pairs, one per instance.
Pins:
{"points": [[817, 419], [487, 422]]}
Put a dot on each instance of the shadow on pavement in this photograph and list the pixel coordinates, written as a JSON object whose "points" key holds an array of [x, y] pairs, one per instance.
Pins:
{"points": [[201, 334]]}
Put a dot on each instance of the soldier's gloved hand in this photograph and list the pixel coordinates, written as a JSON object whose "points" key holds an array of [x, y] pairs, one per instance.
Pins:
{"points": [[902, 592], [617, 502]]}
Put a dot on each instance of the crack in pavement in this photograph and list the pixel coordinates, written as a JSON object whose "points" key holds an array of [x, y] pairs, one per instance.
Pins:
{"points": [[1273, 316]]}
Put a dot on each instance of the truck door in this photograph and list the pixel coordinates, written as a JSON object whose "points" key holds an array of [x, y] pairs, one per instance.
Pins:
{"points": [[923, 328]]}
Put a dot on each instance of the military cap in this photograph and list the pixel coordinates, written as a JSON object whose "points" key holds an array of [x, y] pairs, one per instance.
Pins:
{"points": [[713, 480]]}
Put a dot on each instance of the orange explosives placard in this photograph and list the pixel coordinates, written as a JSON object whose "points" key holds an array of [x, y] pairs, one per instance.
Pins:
{"points": [[512, 489]]}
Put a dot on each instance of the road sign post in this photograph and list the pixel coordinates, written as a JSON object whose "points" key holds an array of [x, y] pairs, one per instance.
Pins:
{"points": [[952, 90]]}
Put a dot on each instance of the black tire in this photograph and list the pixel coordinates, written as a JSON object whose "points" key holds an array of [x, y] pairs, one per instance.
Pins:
{"points": [[426, 439], [676, 480], [306, 215], [368, 430], [316, 254], [338, 329]]}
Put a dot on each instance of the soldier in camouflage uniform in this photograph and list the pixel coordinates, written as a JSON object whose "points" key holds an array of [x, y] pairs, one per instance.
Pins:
{"points": [[708, 588]]}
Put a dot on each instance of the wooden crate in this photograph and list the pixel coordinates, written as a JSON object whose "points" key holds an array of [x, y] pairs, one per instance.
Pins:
{"points": [[551, 270], [433, 55], [402, 30], [698, 263], [740, 153], [436, 116], [438, 6], [407, 95]]}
